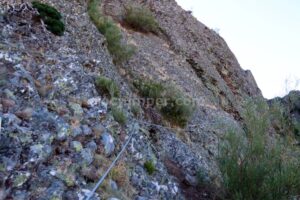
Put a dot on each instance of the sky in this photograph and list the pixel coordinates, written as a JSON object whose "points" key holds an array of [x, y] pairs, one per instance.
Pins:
{"points": [[264, 35]]}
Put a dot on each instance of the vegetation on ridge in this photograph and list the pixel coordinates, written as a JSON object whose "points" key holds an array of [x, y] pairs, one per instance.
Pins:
{"points": [[119, 51]]}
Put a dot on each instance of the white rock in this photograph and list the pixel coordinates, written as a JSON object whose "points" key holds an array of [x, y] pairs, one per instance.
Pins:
{"points": [[53, 172], [94, 101], [157, 186]]}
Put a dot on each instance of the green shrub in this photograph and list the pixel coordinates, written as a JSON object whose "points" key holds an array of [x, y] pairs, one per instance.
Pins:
{"points": [[253, 168], [141, 19], [111, 32], [279, 119], [177, 109], [119, 115], [107, 86], [171, 103], [296, 131], [149, 89], [46, 11], [256, 116], [55, 26], [51, 17], [149, 166]]}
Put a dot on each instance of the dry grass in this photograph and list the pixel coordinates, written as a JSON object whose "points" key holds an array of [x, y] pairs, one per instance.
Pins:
{"points": [[119, 174]]}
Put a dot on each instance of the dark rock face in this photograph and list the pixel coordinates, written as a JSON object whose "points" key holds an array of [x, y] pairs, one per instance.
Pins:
{"points": [[57, 133], [290, 105]]}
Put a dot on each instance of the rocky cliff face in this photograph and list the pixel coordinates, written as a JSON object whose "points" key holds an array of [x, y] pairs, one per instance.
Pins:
{"points": [[290, 109], [58, 134]]}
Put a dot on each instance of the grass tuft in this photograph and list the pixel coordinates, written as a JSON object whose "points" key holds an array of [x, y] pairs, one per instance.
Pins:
{"points": [[149, 166], [119, 115], [119, 174], [141, 19], [107, 86], [136, 109]]}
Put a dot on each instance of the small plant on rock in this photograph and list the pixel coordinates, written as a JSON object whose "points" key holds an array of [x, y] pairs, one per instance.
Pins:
{"points": [[136, 109], [149, 166], [119, 115], [141, 19], [171, 103], [51, 17], [107, 86], [119, 174], [149, 89], [177, 109]]}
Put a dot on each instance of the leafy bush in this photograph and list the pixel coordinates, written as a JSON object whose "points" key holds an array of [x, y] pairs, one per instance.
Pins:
{"points": [[141, 19], [149, 89], [46, 11], [171, 103], [119, 115], [177, 109], [107, 86], [149, 166], [255, 168], [51, 17], [55, 26], [111, 32]]}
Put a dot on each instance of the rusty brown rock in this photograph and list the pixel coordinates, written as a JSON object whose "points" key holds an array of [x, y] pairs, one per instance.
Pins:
{"points": [[25, 114], [7, 104]]}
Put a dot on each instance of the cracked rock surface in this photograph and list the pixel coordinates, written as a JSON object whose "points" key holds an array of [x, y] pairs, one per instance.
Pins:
{"points": [[58, 134]]}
